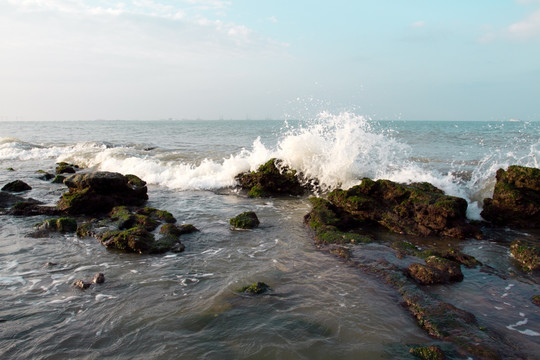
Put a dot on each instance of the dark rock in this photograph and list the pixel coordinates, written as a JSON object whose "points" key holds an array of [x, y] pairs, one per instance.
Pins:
{"points": [[137, 239], [65, 168], [7, 200], [246, 220], [59, 179], [255, 289], [99, 192], [416, 209], [271, 179], [63, 225], [536, 300], [81, 284], [10, 169], [516, 198], [99, 278], [45, 175], [428, 353], [157, 214], [32, 207], [436, 271], [50, 264], [527, 255], [126, 219], [16, 186]]}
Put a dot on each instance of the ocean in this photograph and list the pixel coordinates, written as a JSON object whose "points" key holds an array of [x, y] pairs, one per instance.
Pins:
{"points": [[186, 305]]}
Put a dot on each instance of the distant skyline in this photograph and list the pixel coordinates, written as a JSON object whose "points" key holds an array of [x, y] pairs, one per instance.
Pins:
{"points": [[269, 59]]}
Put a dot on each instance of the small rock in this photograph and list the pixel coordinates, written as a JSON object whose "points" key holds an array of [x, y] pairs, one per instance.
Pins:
{"points": [[50, 264], [59, 179], [81, 284], [99, 278], [16, 186], [536, 300], [246, 220], [428, 353], [255, 289]]}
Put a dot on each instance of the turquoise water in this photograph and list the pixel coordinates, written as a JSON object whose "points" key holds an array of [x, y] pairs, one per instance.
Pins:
{"points": [[185, 305]]}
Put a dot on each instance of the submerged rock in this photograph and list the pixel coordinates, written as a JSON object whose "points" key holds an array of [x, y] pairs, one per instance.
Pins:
{"points": [[63, 224], [99, 192], [516, 198], [428, 353], [536, 300], [246, 220], [257, 288], [436, 271], [16, 186], [527, 255], [271, 179], [45, 175], [58, 179], [81, 284]]}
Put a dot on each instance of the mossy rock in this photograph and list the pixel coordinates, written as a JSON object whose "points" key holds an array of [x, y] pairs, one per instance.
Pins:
{"points": [[43, 175], [157, 214], [10, 169], [65, 168], [255, 289], [58, 179], [246, 220], [428, 353], [16, 186], [63, 225], [527, 255], [271, 179], [516, 198], [536, 300], [86, 229], [136, 239], [171, 229]]}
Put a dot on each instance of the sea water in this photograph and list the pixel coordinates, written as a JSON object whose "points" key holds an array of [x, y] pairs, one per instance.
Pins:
{"points": [[186, 305]]}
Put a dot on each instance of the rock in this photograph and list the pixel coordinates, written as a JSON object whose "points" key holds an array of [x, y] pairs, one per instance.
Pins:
{"points": [[99, 278], [157, 214], [536, 300], [126, 219], [58, 179], [16, 186], [246, 220], [271, 179], [99, 192], [436, 271], [65, 168], [428, 353], [63, 225], [137, 239], [81, 284], [527, 255], [44, 175], [416, 209], [10, 169], [32, 207], [516, 198], [171, 229], [255, 289], [7, 200]]}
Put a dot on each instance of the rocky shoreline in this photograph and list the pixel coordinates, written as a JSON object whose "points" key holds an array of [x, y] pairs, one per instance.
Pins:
{"points": [[111, 208]]}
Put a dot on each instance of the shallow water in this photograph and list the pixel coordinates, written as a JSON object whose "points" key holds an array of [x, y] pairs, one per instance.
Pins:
{"points": [[186, 305]]}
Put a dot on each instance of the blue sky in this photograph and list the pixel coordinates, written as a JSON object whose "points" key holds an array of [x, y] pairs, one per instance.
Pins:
{"points": [[211, 59]]}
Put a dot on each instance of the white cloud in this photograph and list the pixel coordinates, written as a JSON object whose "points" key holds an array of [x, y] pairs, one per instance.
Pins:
{"points": [[418, 24], [527, 28], [273, 19]]}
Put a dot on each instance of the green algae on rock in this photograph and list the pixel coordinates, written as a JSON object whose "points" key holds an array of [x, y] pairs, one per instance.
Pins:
{"points": [[428, 353], [16, 186], [271, 179], [62, 224], [516, 198], [245, 220], [257, 288], [528, 256]]}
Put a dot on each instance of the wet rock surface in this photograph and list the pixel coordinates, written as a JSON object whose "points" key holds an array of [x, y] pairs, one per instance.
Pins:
{"points": [[271, 179], [99, 192], [16, 186], [245, 220], [516, 198]]}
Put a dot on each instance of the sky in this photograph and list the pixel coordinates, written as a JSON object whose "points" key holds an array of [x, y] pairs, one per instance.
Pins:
{"points": [[269, 59]]}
